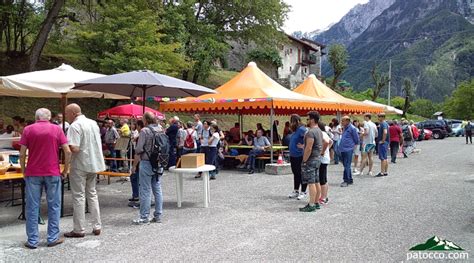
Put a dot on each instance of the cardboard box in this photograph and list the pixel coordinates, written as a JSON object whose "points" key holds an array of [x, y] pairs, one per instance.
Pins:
{"points": [[192, 160]]}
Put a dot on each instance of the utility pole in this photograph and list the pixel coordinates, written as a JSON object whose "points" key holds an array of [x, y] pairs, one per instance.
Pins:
{"points": [[389, 79]]}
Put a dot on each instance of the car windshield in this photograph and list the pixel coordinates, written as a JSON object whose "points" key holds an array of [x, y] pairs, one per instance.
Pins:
{"points": [[456, 125]]}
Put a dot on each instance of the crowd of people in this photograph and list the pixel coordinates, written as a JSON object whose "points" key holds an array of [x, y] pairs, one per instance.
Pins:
{"points": [[313, 146]]}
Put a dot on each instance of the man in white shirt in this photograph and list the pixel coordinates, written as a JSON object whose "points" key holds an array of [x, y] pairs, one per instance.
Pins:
{"points": [[87, 160], [368, 144]]}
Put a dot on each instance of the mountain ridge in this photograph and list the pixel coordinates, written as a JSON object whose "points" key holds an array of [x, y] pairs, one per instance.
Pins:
{"points": [[429, 41]]}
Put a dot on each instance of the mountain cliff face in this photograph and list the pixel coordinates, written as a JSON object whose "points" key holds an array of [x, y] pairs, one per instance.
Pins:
{"points": [[353, 23], [429, 41]]}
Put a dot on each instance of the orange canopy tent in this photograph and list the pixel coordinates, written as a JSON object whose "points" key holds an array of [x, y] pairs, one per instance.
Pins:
{"points": [[313, 87], [251, 92]]}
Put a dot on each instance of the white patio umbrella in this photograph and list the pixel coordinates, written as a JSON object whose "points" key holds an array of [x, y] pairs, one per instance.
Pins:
{"points": [[388, 109], [52, 83]]}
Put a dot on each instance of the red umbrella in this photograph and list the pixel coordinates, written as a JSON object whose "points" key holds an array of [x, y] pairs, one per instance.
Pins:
{"points": [[129, 111]]}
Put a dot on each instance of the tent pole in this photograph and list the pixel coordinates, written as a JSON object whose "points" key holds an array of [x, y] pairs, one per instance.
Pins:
{"points": [[143, 101], [338, 116], [63, 109], [271, 133], [240, 125]]}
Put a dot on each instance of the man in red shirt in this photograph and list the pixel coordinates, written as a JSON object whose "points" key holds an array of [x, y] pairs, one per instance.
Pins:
{"points": [[235, 133], [396, 139], [43, 141]]}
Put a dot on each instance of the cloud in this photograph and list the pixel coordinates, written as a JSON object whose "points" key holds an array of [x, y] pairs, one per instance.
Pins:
{"points": [[309, 15]]}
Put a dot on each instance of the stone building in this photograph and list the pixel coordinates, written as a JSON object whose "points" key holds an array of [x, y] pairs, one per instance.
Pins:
{"points": [[300, 58]]}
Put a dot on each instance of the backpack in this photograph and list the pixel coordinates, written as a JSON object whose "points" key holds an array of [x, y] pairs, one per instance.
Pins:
{"points": [[415, 131], [159, 153], [189, 141], [406, 133]]}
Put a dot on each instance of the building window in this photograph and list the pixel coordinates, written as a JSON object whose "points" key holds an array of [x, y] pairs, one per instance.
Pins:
{"points": [[305, 70], [291, 51], [290, 68]]}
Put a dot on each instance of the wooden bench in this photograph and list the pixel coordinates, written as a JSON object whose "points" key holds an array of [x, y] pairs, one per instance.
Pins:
{"points": [[113, 174]]}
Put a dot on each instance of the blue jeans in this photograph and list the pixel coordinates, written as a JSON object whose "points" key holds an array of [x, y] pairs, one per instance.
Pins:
{"points": [[252, 156], [113, 154], [336, 155], [211, 159], [134, 181], [149, 182], [33, 191], [347, 161]]}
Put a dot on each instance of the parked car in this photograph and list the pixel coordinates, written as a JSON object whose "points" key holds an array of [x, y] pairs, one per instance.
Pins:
{"points": [[438, 127], [424, 134], [457, 129], [450, 123], [427, 134]]}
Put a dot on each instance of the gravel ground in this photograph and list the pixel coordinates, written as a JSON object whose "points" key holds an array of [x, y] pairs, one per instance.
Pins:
{"points": [[250, 218]]}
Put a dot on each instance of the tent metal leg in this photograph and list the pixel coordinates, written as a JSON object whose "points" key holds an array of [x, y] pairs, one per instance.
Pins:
{"points": [[271, 133]]}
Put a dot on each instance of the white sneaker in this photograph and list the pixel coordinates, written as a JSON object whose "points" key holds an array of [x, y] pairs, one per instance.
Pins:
{"points": [[293, 194], [357, 173], [370, 173], [141, 221], [355, 170], [301, 196]]}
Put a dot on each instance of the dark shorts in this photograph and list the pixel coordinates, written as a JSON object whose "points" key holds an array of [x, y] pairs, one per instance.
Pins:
{"points": [[309, 172], [323, 174], [383, 151]]}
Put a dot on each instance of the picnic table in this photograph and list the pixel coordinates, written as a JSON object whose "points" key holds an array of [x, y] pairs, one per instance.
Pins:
{"points": [[274, 147], [179, 181], [15, 176]]}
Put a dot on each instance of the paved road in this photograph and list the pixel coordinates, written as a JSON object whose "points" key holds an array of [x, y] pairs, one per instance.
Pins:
{"points": [[251, 218]]}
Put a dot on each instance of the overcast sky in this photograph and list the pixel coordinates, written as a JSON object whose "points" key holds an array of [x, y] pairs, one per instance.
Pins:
{"points": [[309, 15]]}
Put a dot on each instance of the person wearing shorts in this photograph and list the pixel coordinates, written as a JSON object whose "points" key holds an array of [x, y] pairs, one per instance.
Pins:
{"points": [[384, 141], [323, 168], [368, 144], [313, 146]]}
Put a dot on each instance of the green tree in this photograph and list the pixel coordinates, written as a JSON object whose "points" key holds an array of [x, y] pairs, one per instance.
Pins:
{"points": [[24, 30], [397, 102], [461, 103], [125, 38], [338, 57], [408, 90], [380, 81], [267, 55], [423, 107], [208, 25]]}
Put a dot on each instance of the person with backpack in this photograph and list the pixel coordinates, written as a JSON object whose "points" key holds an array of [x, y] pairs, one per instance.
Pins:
{"points": [[152, 147], [190, 141], [407, 138]]}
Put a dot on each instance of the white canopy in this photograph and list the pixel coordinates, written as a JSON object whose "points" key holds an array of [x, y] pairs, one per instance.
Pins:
{"points": [[388, 109], [51, 84]]}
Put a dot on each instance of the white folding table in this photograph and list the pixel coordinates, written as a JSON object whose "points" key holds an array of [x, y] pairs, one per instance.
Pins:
{"points": [[179, 173]]}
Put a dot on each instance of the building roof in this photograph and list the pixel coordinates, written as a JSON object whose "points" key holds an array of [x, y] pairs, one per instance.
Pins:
{"points": [[313, 42], [308, 45]]}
